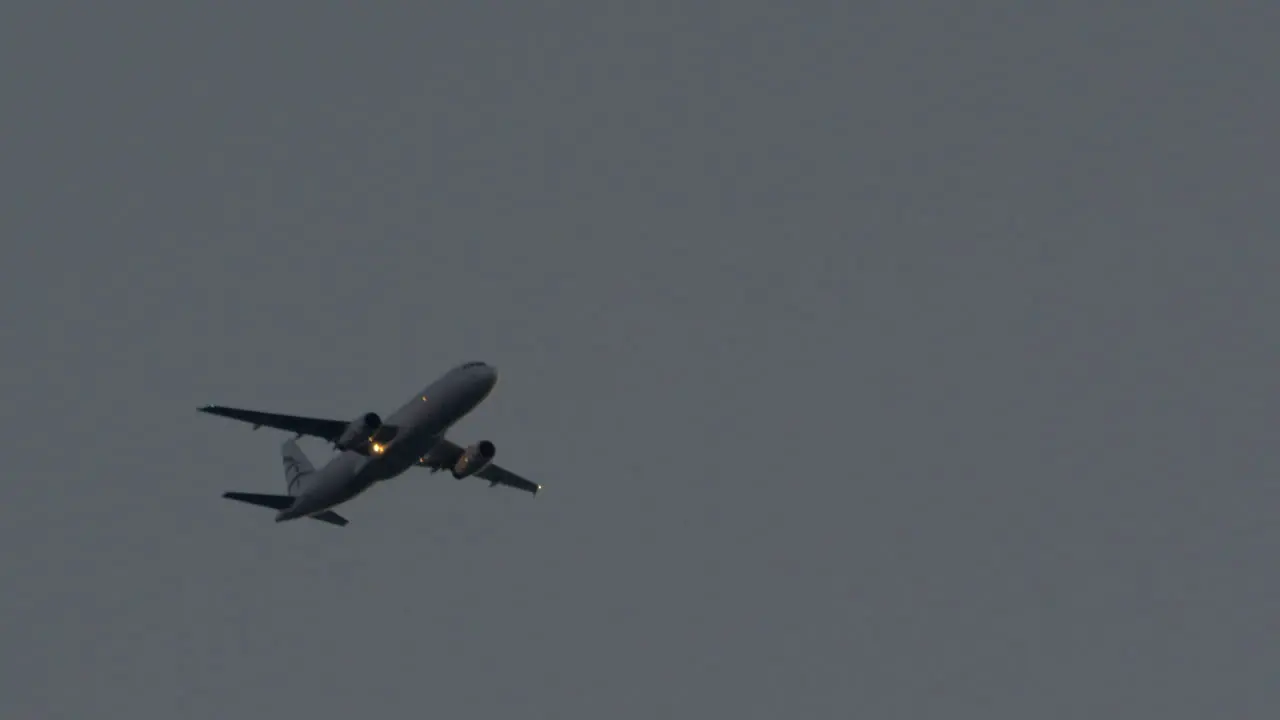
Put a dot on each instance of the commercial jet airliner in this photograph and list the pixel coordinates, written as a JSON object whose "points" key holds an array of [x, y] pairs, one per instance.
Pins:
{"points": [[373, 450]]}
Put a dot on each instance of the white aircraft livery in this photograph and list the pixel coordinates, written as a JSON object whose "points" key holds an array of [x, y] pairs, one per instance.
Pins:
{"points": [[372, 450]]}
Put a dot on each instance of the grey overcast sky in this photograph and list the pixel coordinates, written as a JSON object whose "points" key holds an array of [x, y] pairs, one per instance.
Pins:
{"points": [[880, 360]]}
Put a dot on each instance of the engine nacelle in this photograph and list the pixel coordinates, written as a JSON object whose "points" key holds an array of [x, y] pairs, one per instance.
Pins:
{"points": [[474, 459], [359, 431]]}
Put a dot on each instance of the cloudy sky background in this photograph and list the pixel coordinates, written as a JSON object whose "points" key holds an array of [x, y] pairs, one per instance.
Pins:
{"points": [[880, 360]]}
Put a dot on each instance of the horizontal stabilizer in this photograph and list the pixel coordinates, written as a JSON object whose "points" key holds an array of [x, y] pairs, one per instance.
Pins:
{"points": [[330, 517], [275, 502], [282, 502]]}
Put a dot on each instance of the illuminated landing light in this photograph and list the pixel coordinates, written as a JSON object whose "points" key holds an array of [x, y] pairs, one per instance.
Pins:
{"points": [[378, 449]]}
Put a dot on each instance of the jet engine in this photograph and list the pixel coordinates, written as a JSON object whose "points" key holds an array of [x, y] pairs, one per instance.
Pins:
{"points": [[359, 431], [474, 459]]}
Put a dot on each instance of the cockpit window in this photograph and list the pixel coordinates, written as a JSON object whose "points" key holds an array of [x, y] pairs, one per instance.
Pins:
{"points": [[464, 366]]}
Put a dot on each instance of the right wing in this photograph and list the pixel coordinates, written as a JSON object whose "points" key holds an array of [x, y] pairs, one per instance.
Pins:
{"points": [[446, 453], [497, 475], [329, 430]]}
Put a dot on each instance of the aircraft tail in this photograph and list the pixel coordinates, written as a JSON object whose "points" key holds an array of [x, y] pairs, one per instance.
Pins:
{"points": [[282, 502], [296, 466]]}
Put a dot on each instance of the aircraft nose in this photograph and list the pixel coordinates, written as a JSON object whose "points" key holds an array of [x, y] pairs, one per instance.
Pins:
{"points": [[490, 375]]}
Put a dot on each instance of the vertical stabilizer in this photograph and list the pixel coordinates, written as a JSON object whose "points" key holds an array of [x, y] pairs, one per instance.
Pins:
{"points": [[296, 466]]}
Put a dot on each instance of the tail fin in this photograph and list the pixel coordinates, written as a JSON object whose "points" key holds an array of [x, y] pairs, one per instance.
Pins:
{"points": [[296, 465]]}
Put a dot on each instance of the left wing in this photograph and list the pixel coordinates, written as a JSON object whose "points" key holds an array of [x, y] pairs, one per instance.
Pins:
{"points": [[329, 430], [446, 453]]}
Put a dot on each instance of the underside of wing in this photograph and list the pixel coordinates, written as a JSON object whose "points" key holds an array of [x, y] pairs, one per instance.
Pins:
{"points": [[497, 475], [446, 454], [329, 430]]}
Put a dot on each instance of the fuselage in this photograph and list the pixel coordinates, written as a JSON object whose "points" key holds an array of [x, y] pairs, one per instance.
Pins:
{"points": [[420, 424]]}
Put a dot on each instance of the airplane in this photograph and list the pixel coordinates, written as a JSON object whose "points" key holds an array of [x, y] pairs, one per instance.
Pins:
{"points": [[372, 450]]}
